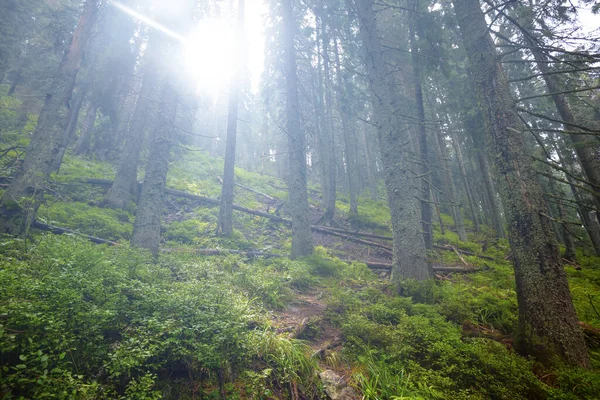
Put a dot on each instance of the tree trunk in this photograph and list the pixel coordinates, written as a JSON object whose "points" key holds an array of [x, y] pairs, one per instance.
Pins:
{"points": [[302, 244], [422, 137], [547, 319], [84, 141], [146, 229], [225, 221], [349, 135], [70, 129], [465, 182], [494, 206], [450, 190], [125, 183], [15, 82], [45, 140], [403, 186]]}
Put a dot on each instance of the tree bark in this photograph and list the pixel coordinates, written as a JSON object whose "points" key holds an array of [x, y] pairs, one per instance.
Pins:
{"points": [[302, 244], [547, 319], [45, 140], [146, 229], [225, 220], [403, 186], [426, 213]]}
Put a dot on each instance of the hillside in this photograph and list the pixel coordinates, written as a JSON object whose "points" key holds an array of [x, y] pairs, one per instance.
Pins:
{"points": [[86, 320]]}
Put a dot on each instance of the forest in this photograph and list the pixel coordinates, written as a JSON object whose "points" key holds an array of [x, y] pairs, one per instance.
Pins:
{"points": [[299, 199]]}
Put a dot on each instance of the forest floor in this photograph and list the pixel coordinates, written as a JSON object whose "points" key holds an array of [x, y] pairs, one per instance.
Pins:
{"points": [[177, 326]]}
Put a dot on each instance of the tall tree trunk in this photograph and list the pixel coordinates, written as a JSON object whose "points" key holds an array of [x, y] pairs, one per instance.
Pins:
{"points": [[422, 138], [302, 244], [548, 324], [82, 146], [45, 140], [125, 183], [225, 221], [402, 184], [348, 133], [494, 206], [465, 182], [70, 129], [450, 190], [146, 229], [15, 82]]}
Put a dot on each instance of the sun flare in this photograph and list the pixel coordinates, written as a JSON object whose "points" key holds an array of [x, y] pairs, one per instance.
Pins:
{"points": [[210, 54]]}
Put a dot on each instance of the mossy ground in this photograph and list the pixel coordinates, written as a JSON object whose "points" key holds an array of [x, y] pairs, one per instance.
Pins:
{"points": [[79, 320]]}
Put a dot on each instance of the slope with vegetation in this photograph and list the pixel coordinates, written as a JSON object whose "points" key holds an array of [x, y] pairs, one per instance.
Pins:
{"points": [[83, 320]]}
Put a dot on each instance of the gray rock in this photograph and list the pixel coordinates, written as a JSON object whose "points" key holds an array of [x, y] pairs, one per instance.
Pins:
{"points": [[336, 387]]}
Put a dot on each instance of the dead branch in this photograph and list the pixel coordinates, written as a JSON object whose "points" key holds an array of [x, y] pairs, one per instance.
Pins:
{"points": [[59, 231]]}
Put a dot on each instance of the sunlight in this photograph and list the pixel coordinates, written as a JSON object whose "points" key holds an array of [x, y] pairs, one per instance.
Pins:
{"points": [[210, 54]]}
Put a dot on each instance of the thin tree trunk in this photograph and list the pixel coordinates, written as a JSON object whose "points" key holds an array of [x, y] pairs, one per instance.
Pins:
{"points": [[451, 191], [403, 186], [82, 146], [225, 221], [70, 129], [125, 183], [15, 82], [548, 324], [494, 206], [349, 135], [302, 244], [465, 182], [45, 140]]}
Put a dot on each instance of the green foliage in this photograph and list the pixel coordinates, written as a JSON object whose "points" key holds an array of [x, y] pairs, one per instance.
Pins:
{"points": [[111, 224], [188, 231]]}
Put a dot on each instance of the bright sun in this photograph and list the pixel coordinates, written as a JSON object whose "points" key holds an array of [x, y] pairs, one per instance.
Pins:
{"points": [[210, 54]]}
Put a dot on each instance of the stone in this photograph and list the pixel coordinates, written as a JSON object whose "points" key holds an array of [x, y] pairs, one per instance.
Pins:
{"points": [[336, 387]]}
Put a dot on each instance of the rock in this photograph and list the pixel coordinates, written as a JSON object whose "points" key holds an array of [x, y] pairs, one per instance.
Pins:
{"points": [[336, 387]]}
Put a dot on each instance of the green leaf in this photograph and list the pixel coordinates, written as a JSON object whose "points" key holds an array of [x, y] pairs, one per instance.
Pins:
{"points": [[21, 366], [23, 357], [61, 356]]}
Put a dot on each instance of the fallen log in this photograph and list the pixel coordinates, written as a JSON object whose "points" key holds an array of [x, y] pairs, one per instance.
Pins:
{"points": [[59, 231], [436, 268], [465, 252], [352, 239], [355, 233], [218, 252], [266, 196]]}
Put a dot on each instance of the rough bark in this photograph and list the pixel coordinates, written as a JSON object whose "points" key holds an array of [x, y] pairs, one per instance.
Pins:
{"points": [[146, 229], [302, 244], [403, 186], [225, 220], [426, 212], [45, 140], [547, 319]]}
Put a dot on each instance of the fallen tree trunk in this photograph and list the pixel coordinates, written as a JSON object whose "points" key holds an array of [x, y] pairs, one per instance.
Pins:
{"points": [[59, 231], [352, 238], [218, 252], [355, 233], [348, 235], [466, 252], [436, 268]]}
